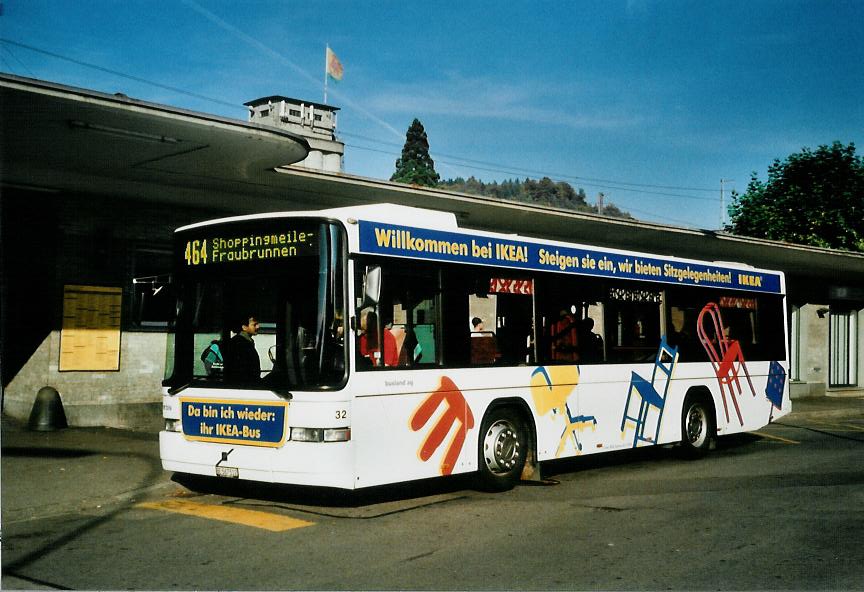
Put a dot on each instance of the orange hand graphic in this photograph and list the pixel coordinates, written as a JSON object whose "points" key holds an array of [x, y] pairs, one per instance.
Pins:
{"points": [[457, 411]]}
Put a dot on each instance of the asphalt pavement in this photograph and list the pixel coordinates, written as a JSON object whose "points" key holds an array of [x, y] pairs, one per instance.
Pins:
{"points": [[68, 486], [94, 471], [75, 469], [81, 469]]}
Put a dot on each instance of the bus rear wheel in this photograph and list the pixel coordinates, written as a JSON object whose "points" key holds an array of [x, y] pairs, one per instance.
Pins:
{"points": [[503, 449], [697, 426]]}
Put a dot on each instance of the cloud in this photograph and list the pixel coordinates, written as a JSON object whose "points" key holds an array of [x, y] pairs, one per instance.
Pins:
{"points": [[483, 98]]}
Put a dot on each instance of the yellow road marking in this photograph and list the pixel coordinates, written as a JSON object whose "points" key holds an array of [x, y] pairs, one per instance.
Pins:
{"points": [[778, 438], [254, 518]]}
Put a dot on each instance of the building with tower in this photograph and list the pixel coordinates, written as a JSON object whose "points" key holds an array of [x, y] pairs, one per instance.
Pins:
{"points": [[313, 121]]}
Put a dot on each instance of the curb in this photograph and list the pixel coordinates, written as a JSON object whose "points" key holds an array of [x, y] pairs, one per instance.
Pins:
{"points": [[826, 407]]}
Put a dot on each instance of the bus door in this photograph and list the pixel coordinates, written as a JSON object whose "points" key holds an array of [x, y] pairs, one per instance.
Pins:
{"points": [[514, 319]]}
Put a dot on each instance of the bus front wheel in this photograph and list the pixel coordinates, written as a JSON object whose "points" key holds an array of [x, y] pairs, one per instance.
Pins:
{"points": [[503, 449], [697, 426]]}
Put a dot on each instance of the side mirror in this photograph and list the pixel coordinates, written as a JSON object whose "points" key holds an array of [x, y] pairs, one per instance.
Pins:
{"points": [[155, 300], [371, 287]]}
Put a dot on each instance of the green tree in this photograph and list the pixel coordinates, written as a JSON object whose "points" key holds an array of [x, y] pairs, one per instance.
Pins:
{"points": [[812, 198], [415, 166], [544, 191]]}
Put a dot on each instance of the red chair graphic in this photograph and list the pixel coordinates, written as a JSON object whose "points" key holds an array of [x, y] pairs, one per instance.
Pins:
{"points": [[725, 354]]}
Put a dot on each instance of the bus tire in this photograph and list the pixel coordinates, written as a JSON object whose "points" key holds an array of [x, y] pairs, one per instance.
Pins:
{"points": [[698, 426], [504, 446]]}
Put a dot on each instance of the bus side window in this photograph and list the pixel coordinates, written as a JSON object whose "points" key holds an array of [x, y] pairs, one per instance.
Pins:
{"points": [[405, 328], [632, 319], [573, 334]]}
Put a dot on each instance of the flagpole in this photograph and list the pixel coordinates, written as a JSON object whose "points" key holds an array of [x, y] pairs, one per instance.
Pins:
{"points": [[326, 54]]}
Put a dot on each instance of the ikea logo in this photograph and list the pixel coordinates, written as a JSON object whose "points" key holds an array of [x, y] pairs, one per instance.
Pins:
{"points": [[753, 281]]}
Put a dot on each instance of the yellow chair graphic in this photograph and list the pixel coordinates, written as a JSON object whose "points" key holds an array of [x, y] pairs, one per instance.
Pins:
{"points": [[550, 389]]}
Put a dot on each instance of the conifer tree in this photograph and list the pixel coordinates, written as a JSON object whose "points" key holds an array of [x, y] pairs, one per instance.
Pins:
{"points": [[415, 166]]}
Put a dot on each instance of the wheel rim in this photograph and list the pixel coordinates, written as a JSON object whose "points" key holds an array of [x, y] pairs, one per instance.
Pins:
{"points": [[501, 447], [697, 425]]}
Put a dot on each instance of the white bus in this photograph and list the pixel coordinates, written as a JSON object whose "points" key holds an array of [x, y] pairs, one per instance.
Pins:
{"points": [[389, 344]]}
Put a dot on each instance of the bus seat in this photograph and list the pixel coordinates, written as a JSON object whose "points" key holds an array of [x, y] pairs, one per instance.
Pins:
{"points": [[484, 349]]}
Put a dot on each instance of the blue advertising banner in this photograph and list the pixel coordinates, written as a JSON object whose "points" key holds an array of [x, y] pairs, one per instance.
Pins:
{"points": [[244, 422], [420, 243]]}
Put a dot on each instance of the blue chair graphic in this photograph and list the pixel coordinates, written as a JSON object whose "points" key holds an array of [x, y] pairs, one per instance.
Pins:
{"points": [[649, 397], [776, 384]]}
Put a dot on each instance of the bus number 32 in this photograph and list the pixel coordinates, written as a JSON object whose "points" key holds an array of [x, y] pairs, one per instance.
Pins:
{"points": [[196, 252]]}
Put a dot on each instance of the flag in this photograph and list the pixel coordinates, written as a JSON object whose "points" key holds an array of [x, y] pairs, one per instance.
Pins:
{"points": [[334, 66]]}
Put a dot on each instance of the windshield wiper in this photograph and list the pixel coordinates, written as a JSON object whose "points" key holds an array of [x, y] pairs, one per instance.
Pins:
{"points": [[282, 393], [176, 389]]}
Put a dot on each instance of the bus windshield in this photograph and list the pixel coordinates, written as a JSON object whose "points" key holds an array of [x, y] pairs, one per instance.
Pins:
{"points": [[260, 305]]}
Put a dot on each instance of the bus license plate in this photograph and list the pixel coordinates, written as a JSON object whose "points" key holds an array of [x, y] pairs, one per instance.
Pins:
{"points": [[228, 472]]}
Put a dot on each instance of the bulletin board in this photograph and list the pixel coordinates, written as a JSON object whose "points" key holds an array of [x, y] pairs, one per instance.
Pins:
{"points": [[90, 335]]}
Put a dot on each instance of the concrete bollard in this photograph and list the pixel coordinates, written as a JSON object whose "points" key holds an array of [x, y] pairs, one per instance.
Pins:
{"points": [[47, 414]]}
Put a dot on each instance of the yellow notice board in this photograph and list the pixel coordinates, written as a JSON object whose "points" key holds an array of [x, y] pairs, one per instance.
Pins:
{"points": [[90, 338]]}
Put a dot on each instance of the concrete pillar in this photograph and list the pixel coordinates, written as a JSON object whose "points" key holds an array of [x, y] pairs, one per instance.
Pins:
{"points": [[813, 352]]}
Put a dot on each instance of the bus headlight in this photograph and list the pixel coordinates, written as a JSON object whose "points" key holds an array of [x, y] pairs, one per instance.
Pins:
{"points": [[337, 435], [320, 434], [307, 434], [172, 425]]}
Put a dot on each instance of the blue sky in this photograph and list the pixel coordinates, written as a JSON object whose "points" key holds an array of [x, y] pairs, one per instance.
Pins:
{"points": [[651, 103]]}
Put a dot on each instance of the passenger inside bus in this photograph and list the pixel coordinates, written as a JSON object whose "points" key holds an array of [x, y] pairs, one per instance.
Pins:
{"points": [[212, 359], [410, 352], [590, 343], [683, 334], [565, 338], [369, 343], [484, 348]]}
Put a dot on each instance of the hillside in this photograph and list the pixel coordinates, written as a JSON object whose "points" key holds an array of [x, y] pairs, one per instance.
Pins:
{"points": [[543, 192]]}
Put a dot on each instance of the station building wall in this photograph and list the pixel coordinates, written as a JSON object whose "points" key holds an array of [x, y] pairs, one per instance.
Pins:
{"points": [[817, 351], [53, 241]]}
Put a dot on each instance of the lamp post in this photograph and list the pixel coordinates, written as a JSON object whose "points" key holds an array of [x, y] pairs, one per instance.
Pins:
{"points": [[722, 203]]}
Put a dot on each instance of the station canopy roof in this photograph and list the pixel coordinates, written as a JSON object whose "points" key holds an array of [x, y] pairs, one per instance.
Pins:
{"points": [[57, 138]]}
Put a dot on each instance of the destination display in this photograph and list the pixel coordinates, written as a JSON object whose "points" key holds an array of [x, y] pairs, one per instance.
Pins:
{"points": [[245, 422], [249, 245], [388, 239]]}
